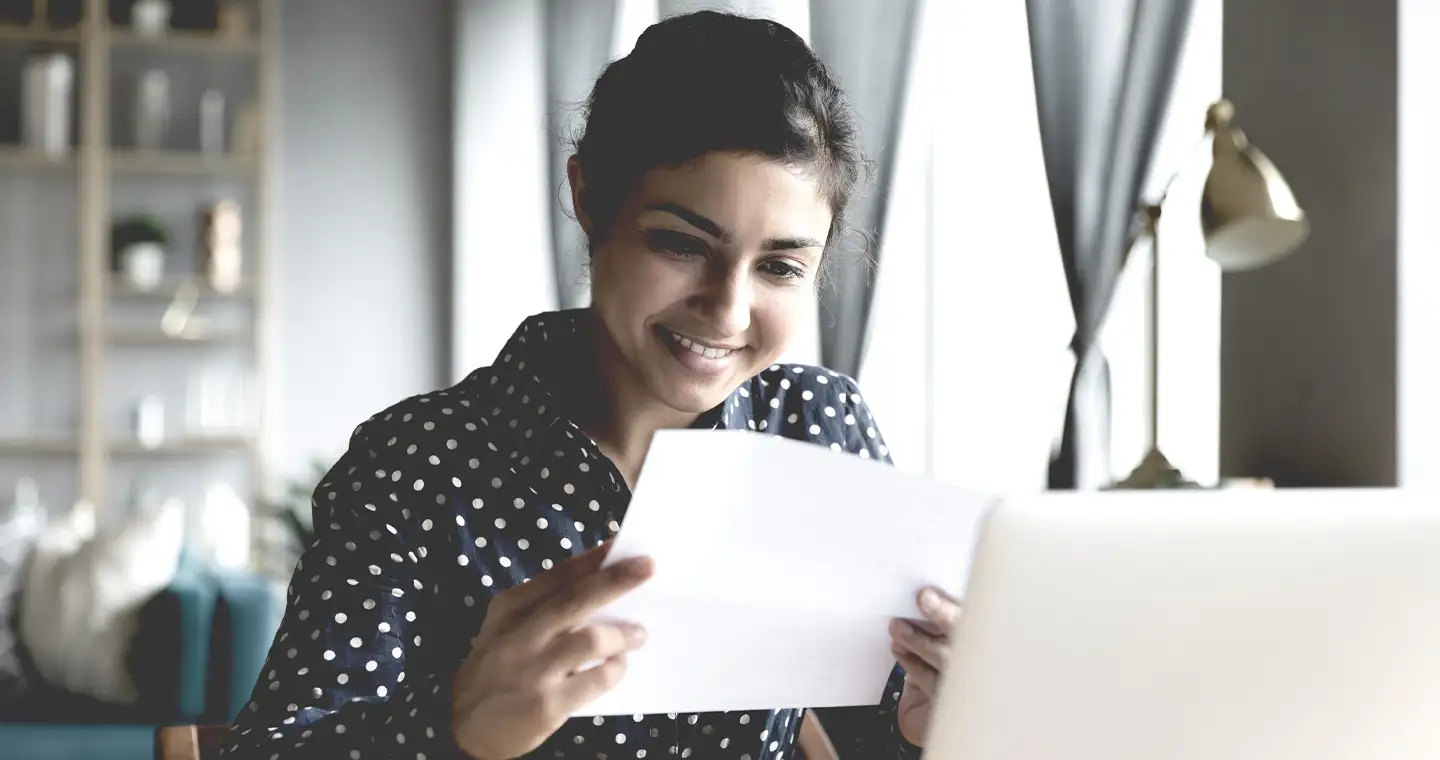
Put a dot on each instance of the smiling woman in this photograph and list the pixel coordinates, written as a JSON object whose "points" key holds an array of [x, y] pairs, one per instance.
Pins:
{"points": [[444, 608]]}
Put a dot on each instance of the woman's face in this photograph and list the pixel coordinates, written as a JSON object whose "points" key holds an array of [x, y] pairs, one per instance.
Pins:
{"points": [[708, 272]]}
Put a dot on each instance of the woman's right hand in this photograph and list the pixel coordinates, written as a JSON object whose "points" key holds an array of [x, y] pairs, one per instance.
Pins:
{"points": [[537, 658]]}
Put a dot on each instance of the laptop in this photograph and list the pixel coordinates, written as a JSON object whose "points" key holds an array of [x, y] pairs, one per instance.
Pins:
{"points": [[1199, 625]]}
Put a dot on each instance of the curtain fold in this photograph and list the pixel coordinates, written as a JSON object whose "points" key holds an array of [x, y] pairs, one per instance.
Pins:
{"points": [[1103, 75], [867, 45], [579, 41]]}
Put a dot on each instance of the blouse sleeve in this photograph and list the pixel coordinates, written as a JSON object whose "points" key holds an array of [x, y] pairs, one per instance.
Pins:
{"points": [[347, 674], [868, 731]]}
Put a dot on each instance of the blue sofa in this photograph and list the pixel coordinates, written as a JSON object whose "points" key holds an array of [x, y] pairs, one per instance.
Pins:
{"points": [[199, 648]]}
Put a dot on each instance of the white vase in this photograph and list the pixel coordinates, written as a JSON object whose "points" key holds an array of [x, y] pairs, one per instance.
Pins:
{"points": [[150, 18], [47, 82], [143, 264]]}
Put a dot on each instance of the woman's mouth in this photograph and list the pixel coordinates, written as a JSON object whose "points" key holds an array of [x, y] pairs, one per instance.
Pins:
{"points": [[694, 353]]}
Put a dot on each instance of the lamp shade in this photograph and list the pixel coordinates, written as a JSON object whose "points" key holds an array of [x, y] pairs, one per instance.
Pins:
{"points": [[1248, 214]]}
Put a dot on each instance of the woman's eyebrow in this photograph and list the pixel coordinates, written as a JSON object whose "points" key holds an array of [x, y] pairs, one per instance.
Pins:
{"points": [[711, 228], [693, 218]]}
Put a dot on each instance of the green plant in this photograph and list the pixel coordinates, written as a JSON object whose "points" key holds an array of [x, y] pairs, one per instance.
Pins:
{"points": [[292, 509], [136, 229]]}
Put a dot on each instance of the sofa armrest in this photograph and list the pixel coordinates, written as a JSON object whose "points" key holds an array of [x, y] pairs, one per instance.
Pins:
{"points": [[247, 616], [170, 654]]}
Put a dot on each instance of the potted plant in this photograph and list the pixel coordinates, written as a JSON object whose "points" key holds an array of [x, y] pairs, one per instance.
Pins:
{"points": [[287, 526], [139, 244]]}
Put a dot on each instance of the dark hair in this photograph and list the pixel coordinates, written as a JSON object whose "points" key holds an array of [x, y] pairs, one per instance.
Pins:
{"points": [[711, 81]]}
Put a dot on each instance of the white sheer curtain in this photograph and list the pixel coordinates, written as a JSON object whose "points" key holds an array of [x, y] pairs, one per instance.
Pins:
{"points": [[967, 365], [1189, 287], [504, 268]]}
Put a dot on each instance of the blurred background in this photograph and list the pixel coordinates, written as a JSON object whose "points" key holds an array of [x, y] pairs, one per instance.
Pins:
{"points": [[230, 230]]}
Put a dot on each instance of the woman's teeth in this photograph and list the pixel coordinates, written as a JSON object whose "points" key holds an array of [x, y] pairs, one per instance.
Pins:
{"points": [[696, 348]]}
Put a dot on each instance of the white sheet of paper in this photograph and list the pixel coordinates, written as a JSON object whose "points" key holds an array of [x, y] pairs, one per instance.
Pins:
{"points": [[778, 568]]}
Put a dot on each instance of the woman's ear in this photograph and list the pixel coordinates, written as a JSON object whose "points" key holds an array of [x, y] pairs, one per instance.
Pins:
{"points": [[577, 191]]}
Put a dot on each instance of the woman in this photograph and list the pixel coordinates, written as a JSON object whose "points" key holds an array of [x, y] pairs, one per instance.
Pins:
{"points": [[710, 179]]}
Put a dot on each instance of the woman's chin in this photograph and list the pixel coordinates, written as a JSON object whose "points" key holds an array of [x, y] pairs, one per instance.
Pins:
{"points": [[690, 394]]}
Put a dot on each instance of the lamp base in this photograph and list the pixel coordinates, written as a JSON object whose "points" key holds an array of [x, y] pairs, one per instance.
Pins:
{"points": [[1154, 471]]}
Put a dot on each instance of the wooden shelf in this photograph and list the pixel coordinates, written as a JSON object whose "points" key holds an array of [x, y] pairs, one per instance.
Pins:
{"points": [[14, 156], [39, 35], [158, 338], [180, 163], [105, 305], [171, 285], [186, 446], [203, 43], [41, 446]]}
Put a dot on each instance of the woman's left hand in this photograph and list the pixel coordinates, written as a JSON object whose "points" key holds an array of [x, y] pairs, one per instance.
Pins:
{"points": [[922, 647]]}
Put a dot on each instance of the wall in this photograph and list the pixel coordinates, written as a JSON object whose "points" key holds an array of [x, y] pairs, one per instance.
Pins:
{"points": [[1308, 364], [363, 214]]}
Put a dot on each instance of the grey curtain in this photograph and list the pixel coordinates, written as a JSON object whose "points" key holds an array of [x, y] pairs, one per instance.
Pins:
{"points": [[867, 45], [578, 36], [1103, 75]]}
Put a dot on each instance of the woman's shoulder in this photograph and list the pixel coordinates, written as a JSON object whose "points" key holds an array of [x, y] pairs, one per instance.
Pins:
{"points": [[817, 405], [453, 409], [809, 385]]}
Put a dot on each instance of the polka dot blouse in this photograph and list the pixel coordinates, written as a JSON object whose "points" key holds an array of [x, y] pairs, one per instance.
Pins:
{"points": [[446, 499]]}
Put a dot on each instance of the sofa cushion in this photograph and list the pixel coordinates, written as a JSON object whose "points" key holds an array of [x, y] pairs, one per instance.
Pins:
{"points": [[20, 525], [39, 741], [84, 591]]}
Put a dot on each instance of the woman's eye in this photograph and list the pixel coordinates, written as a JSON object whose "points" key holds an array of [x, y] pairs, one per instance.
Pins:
{"points": [[677, 243], [783, 269]]}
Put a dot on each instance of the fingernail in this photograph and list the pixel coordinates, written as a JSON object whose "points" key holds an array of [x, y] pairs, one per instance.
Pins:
{"points": [[929, 600], [902, 629], [636, 635]]}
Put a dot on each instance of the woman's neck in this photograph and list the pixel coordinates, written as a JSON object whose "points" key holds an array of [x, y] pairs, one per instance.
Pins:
{"points": [[615, 409]]}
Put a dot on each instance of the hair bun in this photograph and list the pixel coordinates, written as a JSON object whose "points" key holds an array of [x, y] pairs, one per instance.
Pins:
{"points": [[711, 33]]}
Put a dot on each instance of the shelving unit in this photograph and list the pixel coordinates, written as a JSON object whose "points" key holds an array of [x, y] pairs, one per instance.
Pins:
{"points": [[101, 339]]}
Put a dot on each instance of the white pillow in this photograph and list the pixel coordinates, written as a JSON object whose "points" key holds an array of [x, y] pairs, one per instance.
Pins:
{"points": [[83, 593]]}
